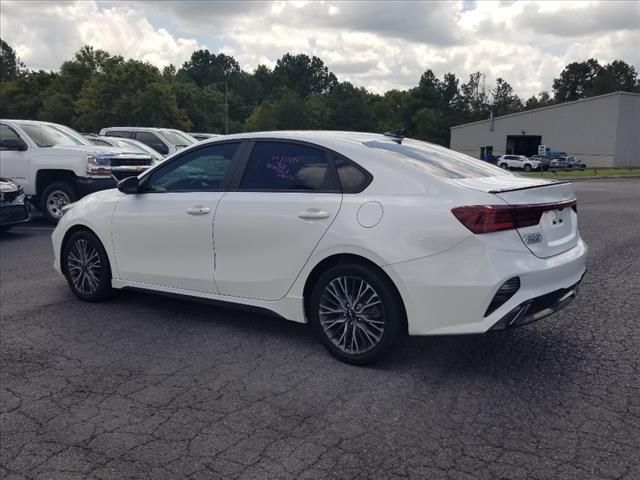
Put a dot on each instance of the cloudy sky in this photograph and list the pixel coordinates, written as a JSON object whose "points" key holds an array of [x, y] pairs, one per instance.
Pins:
{"points": [[377, 44]]}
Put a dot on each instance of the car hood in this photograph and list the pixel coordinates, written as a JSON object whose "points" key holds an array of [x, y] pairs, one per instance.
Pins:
{"points": [[7, 186], [95, 150]]}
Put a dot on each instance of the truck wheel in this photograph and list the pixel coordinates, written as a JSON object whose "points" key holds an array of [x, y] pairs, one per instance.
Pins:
{"points": [[54, 198]]}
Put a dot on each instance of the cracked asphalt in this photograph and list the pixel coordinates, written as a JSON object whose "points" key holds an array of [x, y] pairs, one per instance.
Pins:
{"points": [[145, 387]]}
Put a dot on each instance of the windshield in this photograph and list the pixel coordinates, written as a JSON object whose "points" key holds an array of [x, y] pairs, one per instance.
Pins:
{"points": [[178, 138], [44, 135], [438, 161]]}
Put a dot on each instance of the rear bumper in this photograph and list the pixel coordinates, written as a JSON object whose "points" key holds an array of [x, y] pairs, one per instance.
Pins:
{"points": [[449, 293], [537, 308]]}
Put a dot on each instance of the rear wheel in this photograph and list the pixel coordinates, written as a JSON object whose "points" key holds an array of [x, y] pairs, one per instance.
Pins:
{"points": [[355, 313], [504, 166], [86, 267], [54, 198]]}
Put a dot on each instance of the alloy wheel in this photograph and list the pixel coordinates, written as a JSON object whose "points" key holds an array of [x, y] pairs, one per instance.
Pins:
{"points": [[352, 315], [84, 266], [55, 203]]}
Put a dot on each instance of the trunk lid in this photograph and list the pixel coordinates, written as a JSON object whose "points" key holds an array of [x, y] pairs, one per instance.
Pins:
{"points": [[557, 230]]}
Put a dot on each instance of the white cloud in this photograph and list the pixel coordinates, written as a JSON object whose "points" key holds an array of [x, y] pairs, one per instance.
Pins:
{"points": [[46, 34], [380, 45]]}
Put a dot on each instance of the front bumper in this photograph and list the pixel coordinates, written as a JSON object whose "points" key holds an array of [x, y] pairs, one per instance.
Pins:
{"points": [[12, 214], [87, 185]]}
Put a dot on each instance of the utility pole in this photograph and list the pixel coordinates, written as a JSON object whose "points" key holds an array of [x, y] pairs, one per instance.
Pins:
{"points": [[226, 108]]}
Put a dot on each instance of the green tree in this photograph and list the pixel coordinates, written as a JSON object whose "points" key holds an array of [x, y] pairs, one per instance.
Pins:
{"points": [[504, 99], [543, 99], [576, 81], [285, 112], [613, 77], [475, 97], [10, 65], [348, 108], [206, 68], [133, 93], [303, 75]]}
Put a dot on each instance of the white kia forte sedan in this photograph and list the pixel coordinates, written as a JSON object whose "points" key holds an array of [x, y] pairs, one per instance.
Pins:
{"points": [[364, 236]]}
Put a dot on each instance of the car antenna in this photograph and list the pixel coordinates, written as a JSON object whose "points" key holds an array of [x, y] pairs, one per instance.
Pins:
{"points": [[396, 135]]}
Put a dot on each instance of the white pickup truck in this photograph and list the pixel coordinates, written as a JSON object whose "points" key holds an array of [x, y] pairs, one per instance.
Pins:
{"points": [[55, 165]]}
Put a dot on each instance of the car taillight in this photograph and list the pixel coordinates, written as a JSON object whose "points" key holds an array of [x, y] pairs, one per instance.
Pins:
{"points": [[496, 218]]}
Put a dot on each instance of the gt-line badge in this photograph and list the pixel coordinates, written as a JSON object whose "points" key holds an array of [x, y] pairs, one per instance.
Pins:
{"points": [[532, 238]]}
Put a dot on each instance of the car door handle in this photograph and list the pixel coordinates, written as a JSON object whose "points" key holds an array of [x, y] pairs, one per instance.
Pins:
{"points": [[198, 210], [313, 214]]}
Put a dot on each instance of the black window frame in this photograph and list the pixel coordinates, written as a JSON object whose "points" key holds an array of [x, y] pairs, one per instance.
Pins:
{"points": [[334, 180], [226, 180]]}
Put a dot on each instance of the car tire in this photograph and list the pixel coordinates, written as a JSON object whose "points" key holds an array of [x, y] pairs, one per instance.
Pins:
{"points": [[527, 168], [504, 166], [359, 333], [54, 197], [86, 267]]}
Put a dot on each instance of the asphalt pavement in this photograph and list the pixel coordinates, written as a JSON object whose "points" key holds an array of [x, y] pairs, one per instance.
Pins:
{"points": [[146, 387]]}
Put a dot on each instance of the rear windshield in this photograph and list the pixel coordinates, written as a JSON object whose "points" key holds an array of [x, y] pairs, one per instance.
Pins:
{"points": [[438, 161]]}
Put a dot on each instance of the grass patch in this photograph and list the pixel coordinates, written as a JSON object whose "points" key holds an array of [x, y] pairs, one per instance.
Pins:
{"points": [[589, 172]]}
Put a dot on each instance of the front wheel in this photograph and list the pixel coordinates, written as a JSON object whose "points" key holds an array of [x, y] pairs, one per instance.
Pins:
{"points": [[54, 198], [355, 313], [504, 166], [86, 267], [527, 168]]}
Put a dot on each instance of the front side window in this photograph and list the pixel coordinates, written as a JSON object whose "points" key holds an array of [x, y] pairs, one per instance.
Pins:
{"points": [[287, 167], [7, 133], [201, 170], [148, 138]]}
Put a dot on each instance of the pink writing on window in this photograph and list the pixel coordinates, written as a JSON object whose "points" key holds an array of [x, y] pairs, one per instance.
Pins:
{"points": [[282, 164]]}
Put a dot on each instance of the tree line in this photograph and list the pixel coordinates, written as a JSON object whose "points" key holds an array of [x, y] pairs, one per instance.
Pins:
{"points": [[95, 89]]}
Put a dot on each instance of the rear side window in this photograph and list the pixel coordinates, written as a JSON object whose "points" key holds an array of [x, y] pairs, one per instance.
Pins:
{"points": [[287, 167], [148, 138], [353, 179], [117, 133]]}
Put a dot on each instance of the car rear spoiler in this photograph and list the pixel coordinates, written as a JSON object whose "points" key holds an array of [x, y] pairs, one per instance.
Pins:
{"points": [[502, 190]]}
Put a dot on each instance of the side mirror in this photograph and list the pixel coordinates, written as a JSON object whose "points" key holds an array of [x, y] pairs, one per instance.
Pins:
{"points": [[14, 144], [129, 185], [161, 148]]}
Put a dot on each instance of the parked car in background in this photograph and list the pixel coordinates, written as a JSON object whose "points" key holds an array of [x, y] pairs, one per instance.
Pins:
{"points": [[576, 164], [165, 141], [55, 165], [125, 144], [203, 136], [365, 236], [545, 160], [518, 162], [14, 208], [567, 163]]}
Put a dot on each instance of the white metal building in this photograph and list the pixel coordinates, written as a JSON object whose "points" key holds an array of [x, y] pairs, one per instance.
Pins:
{"points": [[604, 131]]}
